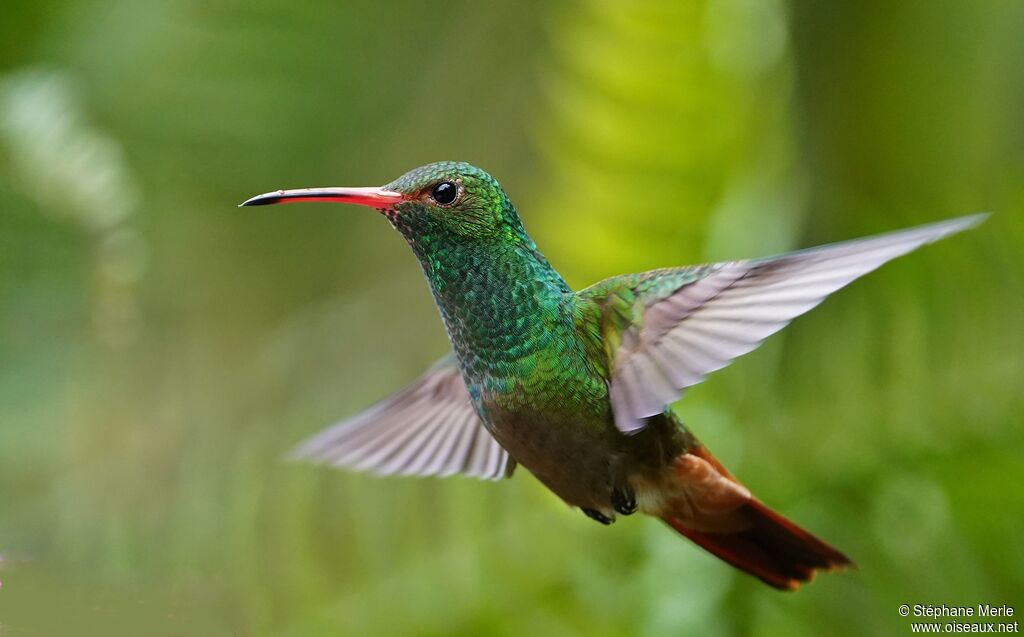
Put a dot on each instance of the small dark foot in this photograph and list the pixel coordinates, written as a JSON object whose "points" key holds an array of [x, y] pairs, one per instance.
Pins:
{"points": [[594, 514], [624, 500]]}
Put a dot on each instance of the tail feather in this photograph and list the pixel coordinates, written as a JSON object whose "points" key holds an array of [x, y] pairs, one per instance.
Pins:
{"points": [[772, 548], [756, 539]]}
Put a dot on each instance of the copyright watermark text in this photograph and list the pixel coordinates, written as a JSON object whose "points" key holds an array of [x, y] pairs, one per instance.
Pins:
{"points": [[978, 618]]}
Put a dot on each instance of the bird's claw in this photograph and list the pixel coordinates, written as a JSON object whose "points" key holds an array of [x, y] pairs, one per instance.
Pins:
{"points": [[594, 514], [624, 500]]}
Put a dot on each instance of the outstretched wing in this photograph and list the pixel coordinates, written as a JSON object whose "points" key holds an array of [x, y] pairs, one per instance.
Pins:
{"points": [[427, 429], [665, 330]]}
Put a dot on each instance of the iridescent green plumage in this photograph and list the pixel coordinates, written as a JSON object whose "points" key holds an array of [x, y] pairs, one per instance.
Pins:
{"points": [[509, 315], [576, 386]]}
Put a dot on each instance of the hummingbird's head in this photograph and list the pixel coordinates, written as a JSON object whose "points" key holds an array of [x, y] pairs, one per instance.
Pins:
{"points": [[453, 198], [443, 199]]}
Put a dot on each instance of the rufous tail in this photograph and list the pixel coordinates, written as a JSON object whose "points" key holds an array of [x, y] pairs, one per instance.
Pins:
{"points": [[756, 539]]}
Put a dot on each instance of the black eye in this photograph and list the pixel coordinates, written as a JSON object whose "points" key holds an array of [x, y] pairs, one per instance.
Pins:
{"points": [[444, 193]]}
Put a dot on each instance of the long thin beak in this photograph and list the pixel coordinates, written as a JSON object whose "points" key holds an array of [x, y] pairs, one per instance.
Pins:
{"points": [[372, 197]]}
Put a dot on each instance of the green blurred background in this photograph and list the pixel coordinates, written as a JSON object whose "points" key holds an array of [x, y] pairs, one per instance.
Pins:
{"points": [[160, 349]]}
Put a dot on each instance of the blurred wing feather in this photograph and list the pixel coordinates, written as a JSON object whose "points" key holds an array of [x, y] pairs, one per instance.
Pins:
{"points": [[428, 429], [677, 334]]}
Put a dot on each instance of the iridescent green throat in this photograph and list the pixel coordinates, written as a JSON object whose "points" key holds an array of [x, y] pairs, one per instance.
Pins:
{"points": [[507, 311]]}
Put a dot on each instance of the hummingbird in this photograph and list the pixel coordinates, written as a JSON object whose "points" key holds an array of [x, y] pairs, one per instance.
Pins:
{"points": [[576, 386]]}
